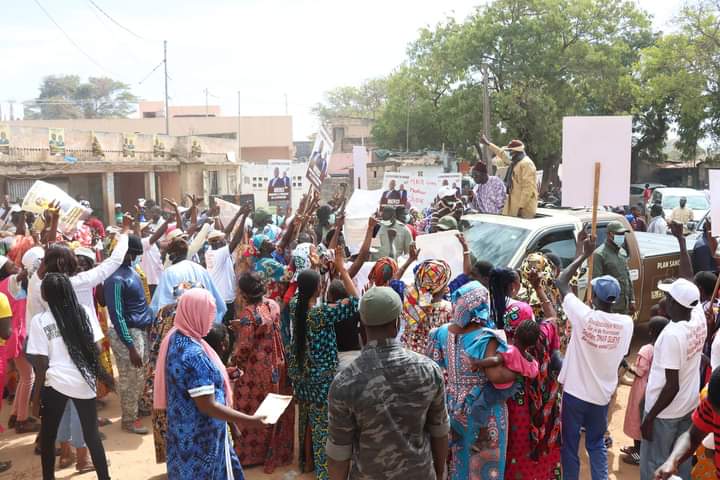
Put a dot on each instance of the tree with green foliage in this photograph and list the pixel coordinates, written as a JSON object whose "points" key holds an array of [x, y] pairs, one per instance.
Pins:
{"points": [[66, 97], [365, 101]]}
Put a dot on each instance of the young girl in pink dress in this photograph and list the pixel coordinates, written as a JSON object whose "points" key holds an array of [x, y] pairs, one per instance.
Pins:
{"points": [[641, 370]]}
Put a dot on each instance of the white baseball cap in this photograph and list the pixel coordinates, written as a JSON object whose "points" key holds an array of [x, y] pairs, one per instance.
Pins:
{"points": [[682, 291]]}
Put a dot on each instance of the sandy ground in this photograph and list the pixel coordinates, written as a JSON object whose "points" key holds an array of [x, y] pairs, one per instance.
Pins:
{"points": [[132, 457]]}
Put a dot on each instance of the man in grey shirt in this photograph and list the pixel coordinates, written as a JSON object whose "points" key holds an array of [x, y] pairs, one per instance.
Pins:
{"points": [[395, 238], [387, 413]]}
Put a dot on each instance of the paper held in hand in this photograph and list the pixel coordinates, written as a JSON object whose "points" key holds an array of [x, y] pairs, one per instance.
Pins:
{"points": [[273, 407]]}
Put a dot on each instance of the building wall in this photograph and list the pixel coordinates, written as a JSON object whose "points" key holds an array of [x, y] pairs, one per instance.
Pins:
{"points": [[169, 186], [128, 188], [255, 132]]}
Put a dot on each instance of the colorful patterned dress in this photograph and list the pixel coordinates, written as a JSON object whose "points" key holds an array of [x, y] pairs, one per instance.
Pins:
{"points": [[311, 379], [415, 335], [198, 446], [163, 324], [259, 354], [453, 354]]}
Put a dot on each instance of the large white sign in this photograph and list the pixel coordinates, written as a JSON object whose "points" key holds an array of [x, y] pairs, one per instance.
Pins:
{"points": [[587, 140], [444, 245], [417, 191]]}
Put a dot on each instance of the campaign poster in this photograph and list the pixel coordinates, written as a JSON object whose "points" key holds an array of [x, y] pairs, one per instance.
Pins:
{"points": [[4, 139], [158, 147], [42, 194], [319, 158], [56, 141], [279, 183], [395, 193], [129, 143], [452, 180]]}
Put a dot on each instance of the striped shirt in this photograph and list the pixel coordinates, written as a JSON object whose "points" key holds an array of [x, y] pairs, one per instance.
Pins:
{"points": [[708, 421]]}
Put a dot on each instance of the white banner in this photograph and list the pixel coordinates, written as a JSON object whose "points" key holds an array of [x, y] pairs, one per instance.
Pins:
{"points": [[714, 179]]}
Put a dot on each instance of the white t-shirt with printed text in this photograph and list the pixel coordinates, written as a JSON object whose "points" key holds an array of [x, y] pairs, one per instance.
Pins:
{"points": [[62, 375], [678, 347], [598, 343]]}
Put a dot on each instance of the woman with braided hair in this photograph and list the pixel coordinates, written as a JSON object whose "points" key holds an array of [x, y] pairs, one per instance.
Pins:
{"points": [[63, 345]]}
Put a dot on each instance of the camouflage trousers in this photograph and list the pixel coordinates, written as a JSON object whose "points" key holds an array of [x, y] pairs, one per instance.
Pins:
{"points": [[131, 380]]}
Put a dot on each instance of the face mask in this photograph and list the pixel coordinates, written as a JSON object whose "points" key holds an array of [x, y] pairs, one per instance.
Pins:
{"points": [[331, 219], [619, 240], [136, 262]]}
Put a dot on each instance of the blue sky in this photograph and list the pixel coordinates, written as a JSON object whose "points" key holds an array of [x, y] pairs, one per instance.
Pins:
{"points": [[265, 49]]}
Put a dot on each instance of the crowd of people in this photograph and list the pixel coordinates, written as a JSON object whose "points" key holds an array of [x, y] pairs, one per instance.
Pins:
{"points": [[481, 374]]}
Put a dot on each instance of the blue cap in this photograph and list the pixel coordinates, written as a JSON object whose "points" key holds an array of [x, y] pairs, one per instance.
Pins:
{"points": [[606, 288]]}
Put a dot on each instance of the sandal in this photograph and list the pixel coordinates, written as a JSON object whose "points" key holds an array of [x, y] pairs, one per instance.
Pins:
{"points": [[632, 458], [104, 422], [26, 427], [628, 450], [89, 467], [12, 421], [65, 462]]}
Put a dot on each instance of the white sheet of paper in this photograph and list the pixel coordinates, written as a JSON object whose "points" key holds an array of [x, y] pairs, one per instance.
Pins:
{"points": [[587, 140], [443, 245], [714, 178], [227, 210], [273, 407]]}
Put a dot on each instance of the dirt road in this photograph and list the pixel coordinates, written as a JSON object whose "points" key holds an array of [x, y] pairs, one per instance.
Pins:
{"points": [[132, 456]]}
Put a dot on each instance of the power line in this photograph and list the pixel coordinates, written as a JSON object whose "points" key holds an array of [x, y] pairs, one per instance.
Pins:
{"points": [[69, 38], [115, 21], [151, 72]]}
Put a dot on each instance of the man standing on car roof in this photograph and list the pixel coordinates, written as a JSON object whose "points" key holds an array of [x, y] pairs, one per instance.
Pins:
{"points": [[609, 260], [520, 178]]}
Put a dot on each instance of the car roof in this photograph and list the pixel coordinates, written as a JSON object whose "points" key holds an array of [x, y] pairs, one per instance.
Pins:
{"points": [[547, 217], [652, 185], [680, 191]]}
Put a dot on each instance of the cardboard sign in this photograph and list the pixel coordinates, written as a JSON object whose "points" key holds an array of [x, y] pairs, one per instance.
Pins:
{"points": [[424, 189], [41, 194], [395, 192], [362, 205], [360, 160], [714, 178], [319, 158], [280, 183], [443, 245], [587, 140]]}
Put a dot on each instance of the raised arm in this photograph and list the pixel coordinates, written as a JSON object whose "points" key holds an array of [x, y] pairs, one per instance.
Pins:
{"points": [[412, 257], [563, 280], [198, 241], [500, 154], [344, 276], [231, 226], [102, 272], [364, 252], [548, 308], [339, 222], [686, 270], [467, 261], [178, 216], [157, 235]]}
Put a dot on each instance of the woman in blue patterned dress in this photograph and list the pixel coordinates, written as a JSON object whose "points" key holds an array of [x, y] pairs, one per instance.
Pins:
{"points": [[312, 359], [452, 347], [192, 385]]}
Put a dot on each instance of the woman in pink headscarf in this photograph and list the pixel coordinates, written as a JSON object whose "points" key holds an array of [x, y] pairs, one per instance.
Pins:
{"points": [[192, 385]]}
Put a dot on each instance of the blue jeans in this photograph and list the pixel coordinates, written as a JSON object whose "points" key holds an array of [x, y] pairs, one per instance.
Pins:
{"points": [[576, 414], [70, 429], [654, 453]]}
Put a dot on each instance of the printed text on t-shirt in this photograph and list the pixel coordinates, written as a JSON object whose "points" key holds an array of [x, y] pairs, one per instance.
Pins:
{"points": [[602, 334]]}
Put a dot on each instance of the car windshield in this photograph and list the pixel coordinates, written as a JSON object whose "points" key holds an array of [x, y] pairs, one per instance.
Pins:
{"points": [[494, 242], [695, 202]]}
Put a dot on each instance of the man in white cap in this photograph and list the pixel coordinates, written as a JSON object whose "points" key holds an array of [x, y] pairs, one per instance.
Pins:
{"points": [[520, 178], [673, 383], [600, 340], [387, 413], [220, 266]]}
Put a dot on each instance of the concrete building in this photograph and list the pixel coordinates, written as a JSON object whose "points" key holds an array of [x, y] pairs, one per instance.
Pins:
{"points": [[423, 164], [348, 132], [261, 138], [108, 167]]}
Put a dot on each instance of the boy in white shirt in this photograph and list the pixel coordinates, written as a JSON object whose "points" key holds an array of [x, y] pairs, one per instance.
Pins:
{"points": [[599, 341], [673, 383]]}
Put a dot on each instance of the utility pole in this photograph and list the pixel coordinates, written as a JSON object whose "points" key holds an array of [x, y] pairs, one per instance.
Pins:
{"points": [[486, 113], [238, 131], [167, 108], [407, 128], [206, 103]]}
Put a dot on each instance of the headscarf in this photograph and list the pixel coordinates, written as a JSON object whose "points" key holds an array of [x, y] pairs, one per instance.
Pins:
{"points": [[301, 258], [431, 278], [270, 270], [31, 260], [515, 314], [471, 303], [383, 271], [194, 318], [258, 240]]}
